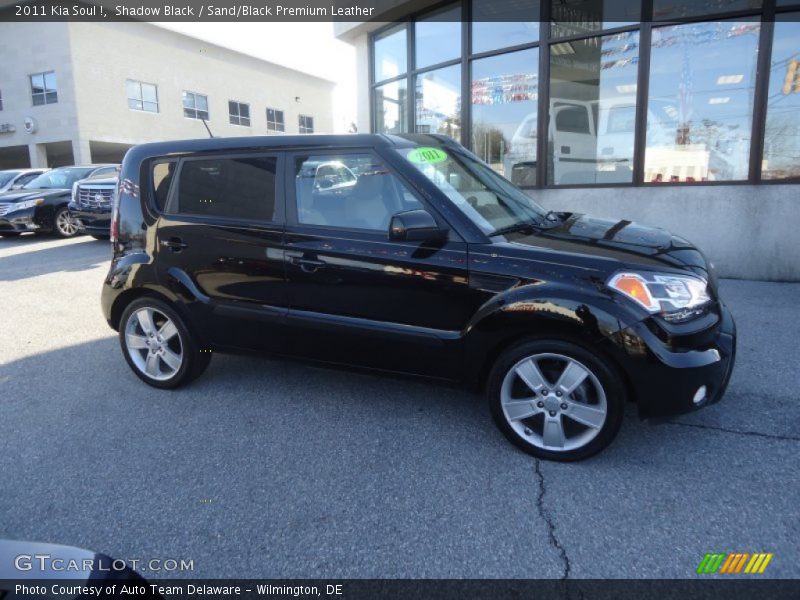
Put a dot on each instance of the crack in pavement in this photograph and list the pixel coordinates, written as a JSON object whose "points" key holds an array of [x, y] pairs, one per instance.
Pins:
{"points": [[768, 436], [551, 528]]}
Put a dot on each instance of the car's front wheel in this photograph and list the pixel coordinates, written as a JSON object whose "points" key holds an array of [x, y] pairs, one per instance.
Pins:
{"points": [[64, 225], [158, 345], [556, 400]]}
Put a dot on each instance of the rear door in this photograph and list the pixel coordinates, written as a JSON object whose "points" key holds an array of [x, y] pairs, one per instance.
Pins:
{"points": [[219, 244]]}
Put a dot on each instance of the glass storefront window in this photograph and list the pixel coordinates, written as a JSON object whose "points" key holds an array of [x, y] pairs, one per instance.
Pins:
{"points": [[593, 86], [578, 17], [438, 102], [781, 158], [699, 114], [505, 92], [390, 107], [390, 53], [502, 24], [665, 10], [438, 37]]}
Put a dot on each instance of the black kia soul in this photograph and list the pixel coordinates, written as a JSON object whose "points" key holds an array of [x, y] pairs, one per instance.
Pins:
{"points": [[408, 254]]}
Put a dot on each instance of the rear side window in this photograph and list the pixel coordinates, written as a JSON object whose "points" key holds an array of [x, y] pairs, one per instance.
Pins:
{"points": [[233, 188]]}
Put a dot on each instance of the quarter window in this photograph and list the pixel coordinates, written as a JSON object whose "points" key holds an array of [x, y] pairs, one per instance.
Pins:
{"points": [[306, 124], [231, 188], [275, 120], [44, 89], [142, 96], [239, 113], [162, 178], [195, 106], [350, 191]]}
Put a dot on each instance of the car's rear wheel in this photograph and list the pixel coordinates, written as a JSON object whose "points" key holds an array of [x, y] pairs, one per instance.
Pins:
{"points": [[556, 400], [158, 345], [64, 225]]}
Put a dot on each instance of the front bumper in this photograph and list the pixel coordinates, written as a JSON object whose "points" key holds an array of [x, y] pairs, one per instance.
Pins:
{"points": [[92, 221], [19, 221], [667, 378]]}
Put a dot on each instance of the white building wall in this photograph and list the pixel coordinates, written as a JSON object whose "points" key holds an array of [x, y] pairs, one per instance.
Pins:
{"points": [[92, 62]]}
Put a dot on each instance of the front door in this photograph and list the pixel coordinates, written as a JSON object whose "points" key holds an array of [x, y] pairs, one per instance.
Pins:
{"points": [[355, 297], [219, 240]]}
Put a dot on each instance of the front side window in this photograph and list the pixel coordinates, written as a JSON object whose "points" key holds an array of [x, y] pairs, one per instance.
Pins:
{"points": [[349, 191], [43, 88], [306, 124], [505, 93], [275, 121], [486, 198], [438, 102], [239, 113], [593, 86], [195, 106], [231, 188], [700, 109], [781, 158], [142, 96]]}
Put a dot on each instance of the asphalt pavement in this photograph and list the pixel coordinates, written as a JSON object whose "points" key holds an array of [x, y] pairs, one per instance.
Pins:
{"points": [[265, 469]]}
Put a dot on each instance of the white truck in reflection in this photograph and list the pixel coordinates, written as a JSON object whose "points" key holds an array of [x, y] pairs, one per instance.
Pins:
{"points": [[591, 142]]}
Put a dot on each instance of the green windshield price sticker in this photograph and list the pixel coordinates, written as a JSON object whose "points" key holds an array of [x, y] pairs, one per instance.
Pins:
{"points": [[427, 155]]}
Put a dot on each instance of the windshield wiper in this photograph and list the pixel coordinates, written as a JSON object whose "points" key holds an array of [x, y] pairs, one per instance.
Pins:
{"points": [[524, 227]]}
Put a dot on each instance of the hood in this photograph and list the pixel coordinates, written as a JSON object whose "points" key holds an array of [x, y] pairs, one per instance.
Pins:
{"points": [[27, 194], [100, 181], [620, 241]]}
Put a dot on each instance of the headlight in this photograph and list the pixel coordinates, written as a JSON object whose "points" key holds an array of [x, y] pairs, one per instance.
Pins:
{"points": [[27, 204], [676, 297]]}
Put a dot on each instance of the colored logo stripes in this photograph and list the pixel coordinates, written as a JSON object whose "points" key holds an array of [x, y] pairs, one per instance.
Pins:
{"points": [[735, 562]]}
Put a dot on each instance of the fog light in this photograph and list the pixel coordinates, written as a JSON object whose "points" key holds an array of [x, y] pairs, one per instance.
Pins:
{"points": [[699, 395]]}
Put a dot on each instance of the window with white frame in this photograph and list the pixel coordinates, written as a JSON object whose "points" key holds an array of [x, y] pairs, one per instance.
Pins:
{"points": [[195, 106], [239, 113], [142, 96], [306, 124], [44, 89], [275, 120]]}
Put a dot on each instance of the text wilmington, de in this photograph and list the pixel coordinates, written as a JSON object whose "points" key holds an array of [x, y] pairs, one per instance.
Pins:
{"points": [[243, 10]]}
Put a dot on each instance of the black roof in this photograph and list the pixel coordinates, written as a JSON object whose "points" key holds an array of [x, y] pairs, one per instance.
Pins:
{"points": [[275, 142]]}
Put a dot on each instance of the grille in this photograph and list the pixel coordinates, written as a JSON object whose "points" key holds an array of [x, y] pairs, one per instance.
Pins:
{"points": [[4, 208], [95, 196]]}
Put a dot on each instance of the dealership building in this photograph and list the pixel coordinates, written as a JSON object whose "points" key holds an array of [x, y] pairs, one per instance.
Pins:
{"points": [[683, 114], [75, 93]]}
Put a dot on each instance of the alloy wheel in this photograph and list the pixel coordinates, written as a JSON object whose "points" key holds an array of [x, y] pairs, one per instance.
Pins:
{"points": [[154, 344], [65, 223], [553, 402]]}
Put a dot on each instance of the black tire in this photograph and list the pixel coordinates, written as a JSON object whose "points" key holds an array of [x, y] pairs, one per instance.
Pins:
{"points": [[101, 237], [195, 359], [58, 231], [10, 234], [602, 372]]}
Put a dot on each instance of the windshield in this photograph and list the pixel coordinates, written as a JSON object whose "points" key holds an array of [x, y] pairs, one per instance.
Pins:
{"points": [[58, 179], [6, 176], [489, 201]]}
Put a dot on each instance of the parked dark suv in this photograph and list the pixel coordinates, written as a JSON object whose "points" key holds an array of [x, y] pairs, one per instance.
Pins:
{"points": [[91, 204], [408, 254]]}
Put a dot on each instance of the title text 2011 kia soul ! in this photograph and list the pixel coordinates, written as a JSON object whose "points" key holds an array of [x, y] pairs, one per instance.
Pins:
{"points": [[408, 254]]}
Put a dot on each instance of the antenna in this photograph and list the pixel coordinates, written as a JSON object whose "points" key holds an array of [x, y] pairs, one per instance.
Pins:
{"points": [[211, 135]]}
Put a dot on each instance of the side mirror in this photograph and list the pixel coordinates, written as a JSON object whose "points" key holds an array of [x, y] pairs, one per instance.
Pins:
{"points": [[17, 186], [415, 225]]}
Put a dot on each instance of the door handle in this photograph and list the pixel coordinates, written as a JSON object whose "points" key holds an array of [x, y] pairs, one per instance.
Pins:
{"points": [[175, 244], [308, 265]]}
